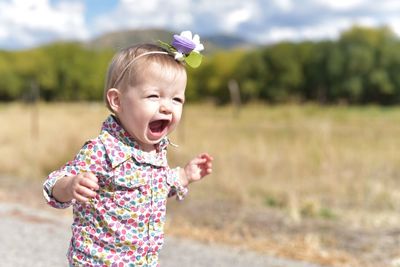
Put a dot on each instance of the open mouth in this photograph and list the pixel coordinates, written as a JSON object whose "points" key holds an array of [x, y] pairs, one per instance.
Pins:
{"points": [[158, 128]]}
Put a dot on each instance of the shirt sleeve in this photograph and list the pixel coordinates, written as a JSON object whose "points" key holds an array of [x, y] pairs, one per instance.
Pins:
{"points": [[173, 180], [48, 189], [87, 160]]}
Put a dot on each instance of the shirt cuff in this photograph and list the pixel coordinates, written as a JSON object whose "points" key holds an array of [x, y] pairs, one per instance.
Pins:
{"points": [[48, 189], [173, 179]]}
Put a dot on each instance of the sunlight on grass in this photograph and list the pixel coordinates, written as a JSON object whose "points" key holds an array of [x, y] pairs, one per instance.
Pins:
{"points": [[312, 161], [277, 168], [339, 158]]}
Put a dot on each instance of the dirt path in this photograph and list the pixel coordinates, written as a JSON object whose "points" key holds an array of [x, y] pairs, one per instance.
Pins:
{"points": [[32, 237]]}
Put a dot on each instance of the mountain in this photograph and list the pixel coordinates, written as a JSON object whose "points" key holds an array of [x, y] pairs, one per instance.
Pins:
{"points": [[120, 39]]}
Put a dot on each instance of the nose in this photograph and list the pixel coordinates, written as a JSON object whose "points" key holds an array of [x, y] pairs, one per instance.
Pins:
{"points": [[165, 107]]}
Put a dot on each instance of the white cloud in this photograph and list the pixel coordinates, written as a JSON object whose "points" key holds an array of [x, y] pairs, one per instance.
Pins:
{"points": [[325, 30], [284, 5], [395, 25], [24, 23], [203, 15], [29, 22], [227, 16], [235, 18], [341, 4], [326, 19], [143, 14], [278, 34]]}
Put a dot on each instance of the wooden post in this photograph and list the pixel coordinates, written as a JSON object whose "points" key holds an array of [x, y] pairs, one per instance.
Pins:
{"points": [[33, 101], [234, 91]]}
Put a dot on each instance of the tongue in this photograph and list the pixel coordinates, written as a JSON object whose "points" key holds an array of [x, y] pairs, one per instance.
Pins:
{"points": [[156, 126]]}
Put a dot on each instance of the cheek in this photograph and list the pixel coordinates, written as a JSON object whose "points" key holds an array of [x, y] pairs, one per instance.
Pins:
{"points": [[144, 111], [178, 114]]}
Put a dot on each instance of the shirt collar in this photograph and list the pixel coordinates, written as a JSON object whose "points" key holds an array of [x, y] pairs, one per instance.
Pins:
{"points": [[120, 146]]}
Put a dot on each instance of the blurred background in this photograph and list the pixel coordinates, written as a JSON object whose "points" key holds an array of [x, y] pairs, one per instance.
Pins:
{"points": [[298, 102]]}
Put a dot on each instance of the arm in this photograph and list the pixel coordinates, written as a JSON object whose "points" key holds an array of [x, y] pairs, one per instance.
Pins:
{"points": [[73, 182]]}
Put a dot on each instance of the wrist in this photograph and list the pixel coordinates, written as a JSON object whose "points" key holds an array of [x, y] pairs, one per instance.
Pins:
{"points": [[183, 177], [62, 189]]}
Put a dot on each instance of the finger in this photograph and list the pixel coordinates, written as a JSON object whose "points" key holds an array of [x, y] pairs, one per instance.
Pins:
{"points": [[206, 156], [203, 155], [89, 184], [80, 198], [205, 172], [205, 165], [198, 161], [86, 192], [91, 176]]}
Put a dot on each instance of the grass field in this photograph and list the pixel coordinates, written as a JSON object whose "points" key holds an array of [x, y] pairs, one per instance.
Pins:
{"points": [[297, 181]]}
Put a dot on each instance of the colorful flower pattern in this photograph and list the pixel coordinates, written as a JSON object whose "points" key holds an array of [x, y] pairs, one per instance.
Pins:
{"points": [[123, 224]]}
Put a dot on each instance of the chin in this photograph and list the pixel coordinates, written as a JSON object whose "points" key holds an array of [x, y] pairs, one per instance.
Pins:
{"points": [[154, 141]]}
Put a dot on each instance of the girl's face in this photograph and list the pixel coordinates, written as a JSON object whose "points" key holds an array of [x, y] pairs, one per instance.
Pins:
{"points": [[153, 107]]}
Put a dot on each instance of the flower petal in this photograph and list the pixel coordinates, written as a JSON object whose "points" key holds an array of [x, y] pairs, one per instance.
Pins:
{"points": [[183, 44], [199, 47], [187, 34], [196, 39], [179, 56]]}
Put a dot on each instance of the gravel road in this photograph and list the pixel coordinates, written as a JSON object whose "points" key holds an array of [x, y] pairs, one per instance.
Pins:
{"points": [[32, 237]]}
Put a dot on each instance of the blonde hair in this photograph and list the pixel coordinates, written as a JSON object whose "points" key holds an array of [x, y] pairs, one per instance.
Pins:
{"points": [[124, 70]]}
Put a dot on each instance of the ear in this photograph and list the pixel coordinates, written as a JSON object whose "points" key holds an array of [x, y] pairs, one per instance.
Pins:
{"points": [[114, 99]]}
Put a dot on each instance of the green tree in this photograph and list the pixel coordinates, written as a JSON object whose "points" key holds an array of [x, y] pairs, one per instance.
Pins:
{"points": [[10, 83]]}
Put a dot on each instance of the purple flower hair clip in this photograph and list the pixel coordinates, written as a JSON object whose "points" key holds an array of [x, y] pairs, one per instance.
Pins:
{"points": [[186, 47]]}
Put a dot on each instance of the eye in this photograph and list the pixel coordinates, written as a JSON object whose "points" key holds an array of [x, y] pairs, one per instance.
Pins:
{"points": [[179, 100], [152, 96]]}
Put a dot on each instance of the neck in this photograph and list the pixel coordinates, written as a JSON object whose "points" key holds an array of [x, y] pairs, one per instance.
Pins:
{"points": [[148, 147]]}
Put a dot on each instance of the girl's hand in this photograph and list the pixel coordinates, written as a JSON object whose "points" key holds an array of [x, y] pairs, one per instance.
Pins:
{"points": [[83, 186], [197, 168]]}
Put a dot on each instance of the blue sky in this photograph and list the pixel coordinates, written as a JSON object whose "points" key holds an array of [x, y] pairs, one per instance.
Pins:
{"points": [[28, 23]]}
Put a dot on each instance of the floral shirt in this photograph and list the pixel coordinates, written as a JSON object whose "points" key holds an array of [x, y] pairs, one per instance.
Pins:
{"points": [[123, 224]]}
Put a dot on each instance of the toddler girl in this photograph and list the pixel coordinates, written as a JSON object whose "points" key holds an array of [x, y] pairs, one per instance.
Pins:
{"points": [[119, 182]]}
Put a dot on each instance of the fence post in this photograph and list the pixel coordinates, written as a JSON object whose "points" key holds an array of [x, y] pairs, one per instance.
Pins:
{"points": [[33, 102], [234, 92]]}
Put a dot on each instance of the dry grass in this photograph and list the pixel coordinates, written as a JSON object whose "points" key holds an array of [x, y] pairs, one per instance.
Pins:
{"points": [[312, 160], [37, 140], [338, 165]]}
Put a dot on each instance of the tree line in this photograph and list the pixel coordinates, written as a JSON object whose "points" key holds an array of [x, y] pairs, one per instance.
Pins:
{"points": [[360, 67]]}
